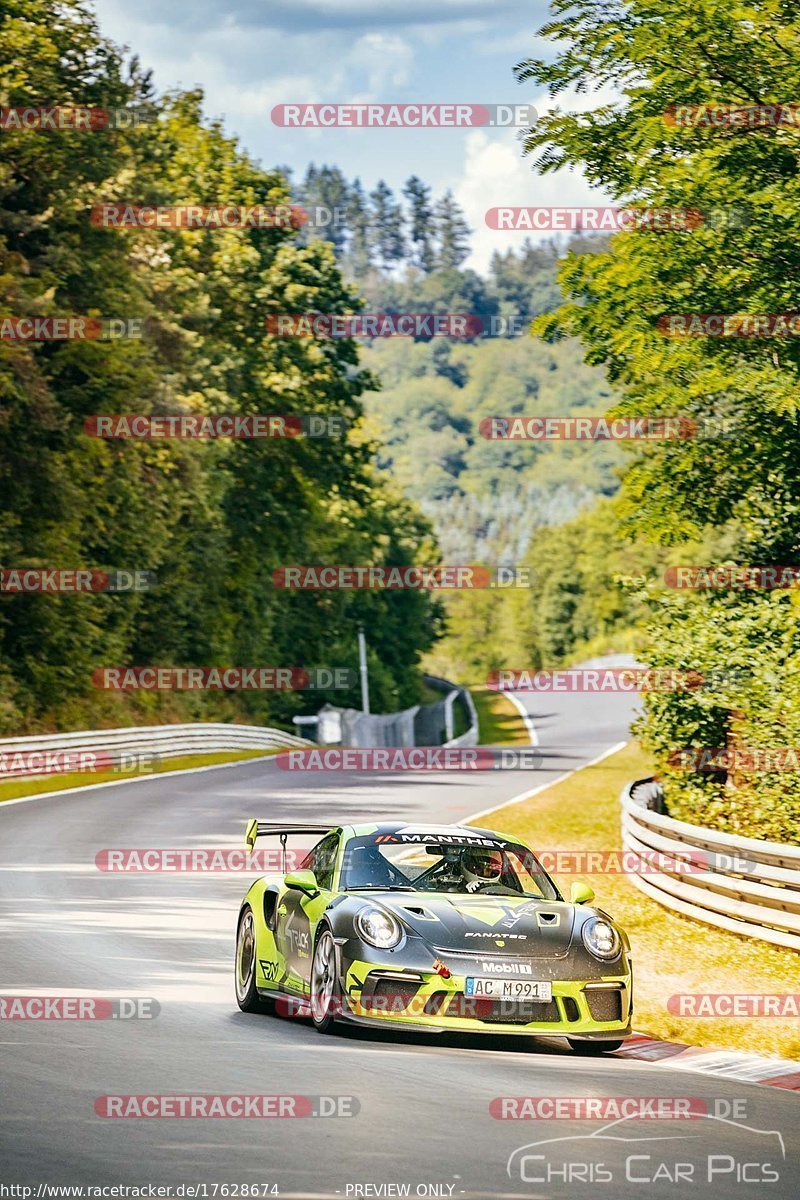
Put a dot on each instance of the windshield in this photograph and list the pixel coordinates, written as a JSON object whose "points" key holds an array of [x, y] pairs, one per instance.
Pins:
{"points": [[497, 868]]}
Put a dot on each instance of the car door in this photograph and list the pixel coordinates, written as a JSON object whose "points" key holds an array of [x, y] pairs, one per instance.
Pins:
{"points": [[298, 914]]}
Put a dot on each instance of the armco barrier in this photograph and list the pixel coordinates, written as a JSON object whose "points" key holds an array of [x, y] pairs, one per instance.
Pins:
{"points": [[454, 693], [422, 725], [750, 887], [156, 740]]}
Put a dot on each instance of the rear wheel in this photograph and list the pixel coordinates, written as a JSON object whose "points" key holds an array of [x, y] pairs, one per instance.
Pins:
{"points": [[581, 1047], [324, 983], [247, 997]]}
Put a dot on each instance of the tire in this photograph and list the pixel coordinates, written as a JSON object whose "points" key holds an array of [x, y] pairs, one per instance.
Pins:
{"points": [[325, 998], [590, 1048], [244, 968]]}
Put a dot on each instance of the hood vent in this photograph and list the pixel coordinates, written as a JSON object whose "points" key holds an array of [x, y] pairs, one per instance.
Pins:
{"points": [[547, 918], [423, 914]]}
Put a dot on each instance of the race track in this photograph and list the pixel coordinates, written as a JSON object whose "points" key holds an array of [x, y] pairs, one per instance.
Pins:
{"points": [[68, 928]]}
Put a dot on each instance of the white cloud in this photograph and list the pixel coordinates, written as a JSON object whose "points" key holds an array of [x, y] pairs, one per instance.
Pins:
{"points": [[495, 174], [357, 74], [385, 59]]}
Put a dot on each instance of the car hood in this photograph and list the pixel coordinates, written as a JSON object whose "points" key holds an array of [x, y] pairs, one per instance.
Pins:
{"points": [[492, 926]]}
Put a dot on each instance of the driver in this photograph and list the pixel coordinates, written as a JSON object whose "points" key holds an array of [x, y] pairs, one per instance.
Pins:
{"points": [[481, 867]]}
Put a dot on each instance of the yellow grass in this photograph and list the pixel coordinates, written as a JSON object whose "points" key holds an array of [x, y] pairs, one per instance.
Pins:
{"points": [[671, 953], [499, 722], [14, 788]]}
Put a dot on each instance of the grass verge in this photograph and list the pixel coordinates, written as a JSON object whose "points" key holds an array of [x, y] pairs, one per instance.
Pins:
{"points": [[13, 789], [499, 722], [671, 953]]}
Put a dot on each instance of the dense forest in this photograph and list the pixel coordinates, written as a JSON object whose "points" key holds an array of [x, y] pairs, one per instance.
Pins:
{"points": [[211, 520], [407, 254], [597, 523], [724, 499]]}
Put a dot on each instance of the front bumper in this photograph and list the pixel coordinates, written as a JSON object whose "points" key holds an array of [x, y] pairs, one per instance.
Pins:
{"points": [[597, 1009]]}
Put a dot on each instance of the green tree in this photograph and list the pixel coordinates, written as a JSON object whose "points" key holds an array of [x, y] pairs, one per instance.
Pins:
{"points": [[360, 243], [212, 520], [325, 188], [421, 230], [452, 232], [742, 258], [387, 226]]}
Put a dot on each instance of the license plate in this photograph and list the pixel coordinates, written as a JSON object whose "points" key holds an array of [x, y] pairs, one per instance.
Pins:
{"points": [[509, 989]]}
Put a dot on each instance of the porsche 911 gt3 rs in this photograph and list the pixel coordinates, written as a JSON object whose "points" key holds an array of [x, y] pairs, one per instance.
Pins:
{"points": [[429, 927]]}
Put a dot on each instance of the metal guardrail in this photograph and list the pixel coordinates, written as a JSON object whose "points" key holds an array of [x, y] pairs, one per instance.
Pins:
{"points": [[422, 725], [20, 757], [740, 884], [455, 692]]}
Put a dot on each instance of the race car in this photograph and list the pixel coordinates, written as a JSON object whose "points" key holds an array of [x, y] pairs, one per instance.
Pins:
{"points": [[430, 928]]}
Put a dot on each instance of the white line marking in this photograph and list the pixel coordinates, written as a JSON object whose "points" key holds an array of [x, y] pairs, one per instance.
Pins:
{"points": [[527, 719], [543, 786], [91, 787]]}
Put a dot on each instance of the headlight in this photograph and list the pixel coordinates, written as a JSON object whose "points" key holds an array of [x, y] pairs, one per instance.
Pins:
{"points": [[601, 938], [378, 928]]}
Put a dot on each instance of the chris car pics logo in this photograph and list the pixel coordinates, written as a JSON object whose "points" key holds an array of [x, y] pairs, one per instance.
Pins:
{"points": [[715, 1149]]}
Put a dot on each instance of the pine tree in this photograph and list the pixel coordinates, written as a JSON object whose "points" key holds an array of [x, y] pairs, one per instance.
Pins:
{"points": [[388, 223], [360, 240], [453, 232], [421, 224], [325, 194]]}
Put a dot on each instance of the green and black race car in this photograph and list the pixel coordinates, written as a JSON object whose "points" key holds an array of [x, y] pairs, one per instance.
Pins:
{"points": [[428, 927]]}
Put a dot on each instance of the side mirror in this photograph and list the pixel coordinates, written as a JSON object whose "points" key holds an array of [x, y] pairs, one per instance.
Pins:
{"points": [[303, 881], [579, 893]]}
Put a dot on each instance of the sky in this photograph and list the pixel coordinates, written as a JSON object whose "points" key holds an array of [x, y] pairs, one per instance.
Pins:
{"points": [[249, 55]]}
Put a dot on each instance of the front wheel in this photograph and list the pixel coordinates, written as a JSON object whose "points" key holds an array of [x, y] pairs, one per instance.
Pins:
{"points": [[324, 984], [247, 997], [582, 1047]]}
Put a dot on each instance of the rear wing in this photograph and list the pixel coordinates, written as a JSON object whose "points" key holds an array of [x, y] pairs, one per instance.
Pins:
{"points": [[256, 829]]}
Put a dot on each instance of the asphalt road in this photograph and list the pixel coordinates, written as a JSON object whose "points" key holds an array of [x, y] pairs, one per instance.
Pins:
{"points": [[423, 1123]]}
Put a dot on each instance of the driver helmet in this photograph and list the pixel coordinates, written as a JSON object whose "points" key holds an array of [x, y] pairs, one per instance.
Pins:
{"points": [[480, 865]]}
